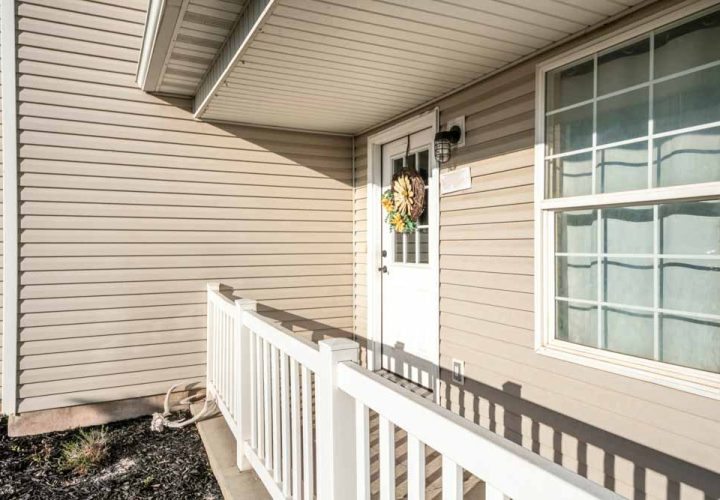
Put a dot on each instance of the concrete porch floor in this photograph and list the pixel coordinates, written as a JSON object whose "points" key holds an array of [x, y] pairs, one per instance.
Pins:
{"points": [[220, 446]]}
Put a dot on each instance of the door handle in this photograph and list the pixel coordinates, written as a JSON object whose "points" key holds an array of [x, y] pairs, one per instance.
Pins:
{"points": [[382, 269]]}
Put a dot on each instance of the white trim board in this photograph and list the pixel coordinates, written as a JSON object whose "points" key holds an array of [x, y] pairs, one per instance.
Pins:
{"points": [[10, 209], [375, 142], [677, 377]]}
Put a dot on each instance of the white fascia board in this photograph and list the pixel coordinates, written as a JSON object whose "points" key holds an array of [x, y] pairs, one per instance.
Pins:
{"points": [[160, 23], [251, 21]]}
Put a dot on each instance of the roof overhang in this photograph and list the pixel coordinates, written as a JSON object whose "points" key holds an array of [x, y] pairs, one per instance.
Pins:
{"points": [[162, 18], [343, 66]]}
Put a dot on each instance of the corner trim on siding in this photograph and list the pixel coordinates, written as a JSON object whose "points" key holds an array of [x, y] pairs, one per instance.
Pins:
{"points": [[10, 208], [251, 21]]}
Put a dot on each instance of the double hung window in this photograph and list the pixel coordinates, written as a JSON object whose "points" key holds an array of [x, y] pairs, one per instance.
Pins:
{"points": [[628, 204]]}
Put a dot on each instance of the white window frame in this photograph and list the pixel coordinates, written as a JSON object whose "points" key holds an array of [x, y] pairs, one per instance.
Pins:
{"points": [[682, 378]]}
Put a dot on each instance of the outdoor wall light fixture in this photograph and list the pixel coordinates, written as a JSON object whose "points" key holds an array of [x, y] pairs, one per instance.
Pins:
{"points": [[444, 141]]}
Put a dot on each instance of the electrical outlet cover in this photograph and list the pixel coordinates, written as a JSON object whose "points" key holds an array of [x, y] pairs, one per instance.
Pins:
{"points": [[458, 371]]}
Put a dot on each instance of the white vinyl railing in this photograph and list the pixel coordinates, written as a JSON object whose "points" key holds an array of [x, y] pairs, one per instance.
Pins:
{"points": [[300, 414]]}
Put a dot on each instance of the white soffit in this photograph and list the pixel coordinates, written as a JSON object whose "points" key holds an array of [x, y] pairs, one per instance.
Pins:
{"points": [[190, 33], [345, 65]]}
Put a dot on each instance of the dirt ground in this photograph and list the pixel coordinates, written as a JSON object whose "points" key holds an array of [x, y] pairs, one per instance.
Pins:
{"points": [[140, 464]]}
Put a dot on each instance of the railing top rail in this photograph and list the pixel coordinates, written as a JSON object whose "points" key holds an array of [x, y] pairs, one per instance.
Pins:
{"points": [[516, 471], [303, 351]]}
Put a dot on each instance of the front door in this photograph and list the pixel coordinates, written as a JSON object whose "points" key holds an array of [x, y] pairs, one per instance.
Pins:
{"points": [[410, 342]]}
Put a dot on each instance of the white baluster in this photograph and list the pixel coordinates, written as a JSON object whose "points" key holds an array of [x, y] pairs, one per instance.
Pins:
{"points": [[253, 393], [308, 443], [452, 480], [416, 469], [277, 458], [267, 407], [260, 394], [387, 459], [362, 450], [285, 424], [295, 429]]}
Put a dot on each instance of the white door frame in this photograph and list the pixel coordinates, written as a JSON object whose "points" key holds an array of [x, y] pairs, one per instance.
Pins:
{"points": [[375, 142]]}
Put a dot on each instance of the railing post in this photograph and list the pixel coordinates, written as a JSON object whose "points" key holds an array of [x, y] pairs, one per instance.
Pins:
{"points": [[335, 419], [242, 371], [211, 288]]}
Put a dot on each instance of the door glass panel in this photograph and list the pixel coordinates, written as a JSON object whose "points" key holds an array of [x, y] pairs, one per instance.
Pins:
{"points": [[623, 67], [397, 165], [423, 158], [423, 242]]}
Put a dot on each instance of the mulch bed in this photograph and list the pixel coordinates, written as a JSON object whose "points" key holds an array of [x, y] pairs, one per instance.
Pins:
{"points": [[140, 464]]}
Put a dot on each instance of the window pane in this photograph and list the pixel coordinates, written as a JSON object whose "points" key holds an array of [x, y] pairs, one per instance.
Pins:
{"points": [[576, 277], [422, 166], [399, 257], [629, 332], [691, 285], [569, 130], [410, 161], [576, 231], [688, 100], [622, 168], [691, 228], [397, 165], [688, 158], [410, 238], [628, 230], [424, 252], [623, 117], [624, 67], [577, 323], [569, 85], [628, 281], [570, 175], [691, 342], [688, 45]]}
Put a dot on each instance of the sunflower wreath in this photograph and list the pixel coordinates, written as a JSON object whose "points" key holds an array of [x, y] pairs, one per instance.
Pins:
{"points": [[405, 201]]}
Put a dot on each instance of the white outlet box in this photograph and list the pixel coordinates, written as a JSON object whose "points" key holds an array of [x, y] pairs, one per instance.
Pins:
{"points": [[458, 371]]}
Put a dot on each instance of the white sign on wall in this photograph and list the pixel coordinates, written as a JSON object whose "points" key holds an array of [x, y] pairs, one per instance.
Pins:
{"points": [[455, 180]]}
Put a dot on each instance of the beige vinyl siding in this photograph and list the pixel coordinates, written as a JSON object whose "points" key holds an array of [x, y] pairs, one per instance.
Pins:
{"points": [[640, 439], [129, 207]]}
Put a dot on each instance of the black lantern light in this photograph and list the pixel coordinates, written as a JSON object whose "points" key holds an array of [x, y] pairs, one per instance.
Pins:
{"points": [[444, 141]]}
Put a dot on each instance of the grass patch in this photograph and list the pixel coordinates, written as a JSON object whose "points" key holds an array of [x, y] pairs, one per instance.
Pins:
{"points": [[86, 453]]}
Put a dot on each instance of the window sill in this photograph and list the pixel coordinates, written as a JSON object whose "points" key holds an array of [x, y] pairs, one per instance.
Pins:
{"points": [[697, 382]]}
